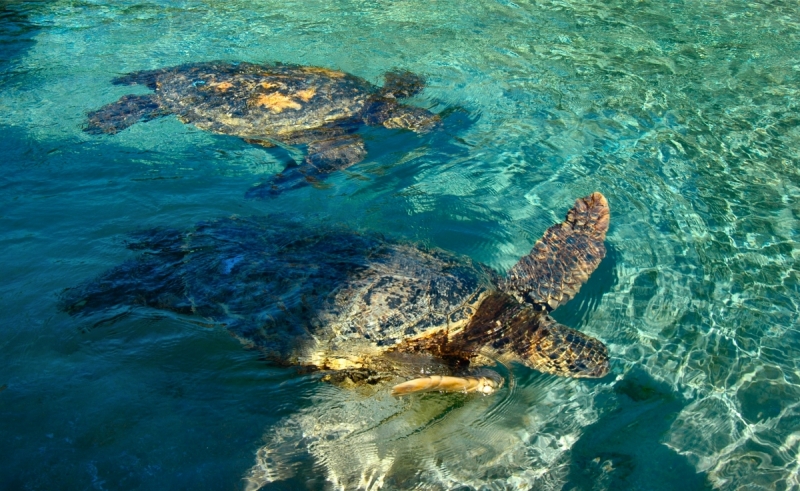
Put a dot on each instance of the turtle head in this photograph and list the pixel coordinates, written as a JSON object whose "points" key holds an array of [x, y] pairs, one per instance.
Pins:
{"points": [[388, 112], [384, 110], [401, 83]]}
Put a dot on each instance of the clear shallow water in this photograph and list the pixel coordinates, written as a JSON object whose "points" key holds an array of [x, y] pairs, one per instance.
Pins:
{"points": [[682, 113]]}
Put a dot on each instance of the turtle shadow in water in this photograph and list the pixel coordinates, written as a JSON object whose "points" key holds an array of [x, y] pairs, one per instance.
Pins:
{"points": [[624, 449], [380, 147], [17, 32]]}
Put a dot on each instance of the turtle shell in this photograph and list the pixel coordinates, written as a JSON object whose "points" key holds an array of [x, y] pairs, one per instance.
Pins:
{"points": [[251, 100], [331, 298]]}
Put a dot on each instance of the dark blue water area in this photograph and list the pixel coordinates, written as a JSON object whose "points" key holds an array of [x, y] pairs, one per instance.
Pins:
{"points": [[123, 404]]}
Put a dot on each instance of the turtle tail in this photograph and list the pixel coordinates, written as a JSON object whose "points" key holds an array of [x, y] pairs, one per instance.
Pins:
{"points": [[564, 258], [115, 117], [400, 84]]}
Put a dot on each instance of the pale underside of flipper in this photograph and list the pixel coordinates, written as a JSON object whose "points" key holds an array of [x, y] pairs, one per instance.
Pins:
{"points": [[564, 258], [444, 383]]}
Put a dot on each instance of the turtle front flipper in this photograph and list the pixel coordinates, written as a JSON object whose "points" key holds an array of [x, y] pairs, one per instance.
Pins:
{"points": [[511, 331], [323, 158], [564, 258], [115, 117], [326, 156], [507, 330]]}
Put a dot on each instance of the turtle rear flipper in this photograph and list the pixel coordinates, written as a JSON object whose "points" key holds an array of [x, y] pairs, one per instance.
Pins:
{"points": [[147, 281], [323, 158], [562, 260], [151, 279], [115, 117], [144, 77]]}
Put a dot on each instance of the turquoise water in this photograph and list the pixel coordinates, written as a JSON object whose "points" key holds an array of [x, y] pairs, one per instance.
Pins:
{"points": [[684, 114]]}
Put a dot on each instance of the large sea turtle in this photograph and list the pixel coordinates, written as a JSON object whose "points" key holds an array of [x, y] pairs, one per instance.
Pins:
{"points": [[272, 105], [365, 307]]}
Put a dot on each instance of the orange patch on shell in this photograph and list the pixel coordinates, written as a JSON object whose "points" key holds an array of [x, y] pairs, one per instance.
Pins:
{"points": [[307, 94], [221, 86], [276, 102]]}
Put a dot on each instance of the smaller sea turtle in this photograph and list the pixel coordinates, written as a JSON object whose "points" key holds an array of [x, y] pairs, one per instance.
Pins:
{"points": [[273, 105], [367, 308]]}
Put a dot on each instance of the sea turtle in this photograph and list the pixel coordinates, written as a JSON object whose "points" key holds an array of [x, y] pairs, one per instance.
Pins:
{"points": [[366, 308], [273, 105]]}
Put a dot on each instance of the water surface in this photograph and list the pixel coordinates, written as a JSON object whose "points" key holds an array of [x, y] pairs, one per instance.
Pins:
{"points": [[684, 114]]}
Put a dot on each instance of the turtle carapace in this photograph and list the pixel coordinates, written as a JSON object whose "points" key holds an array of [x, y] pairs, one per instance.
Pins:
{"points": [[273, 105]]}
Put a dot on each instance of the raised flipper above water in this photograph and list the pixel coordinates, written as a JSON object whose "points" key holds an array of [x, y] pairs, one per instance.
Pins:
{"points": [[323, 157], [514, 321], [562, 260], [128, 110]]}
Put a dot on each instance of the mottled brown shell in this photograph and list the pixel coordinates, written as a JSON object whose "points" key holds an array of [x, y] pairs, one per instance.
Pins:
{"points": [[405, 294], [250, 100]]}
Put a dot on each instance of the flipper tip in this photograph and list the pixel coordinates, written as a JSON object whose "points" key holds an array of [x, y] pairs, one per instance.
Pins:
{"points": [[597, 199], [591, 212]]}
